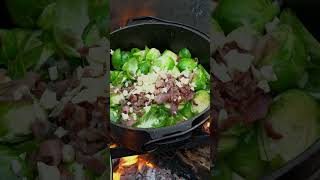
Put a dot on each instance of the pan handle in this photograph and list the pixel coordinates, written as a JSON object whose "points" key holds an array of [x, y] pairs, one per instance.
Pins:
{"points": [[136, 20], [171, 139]]}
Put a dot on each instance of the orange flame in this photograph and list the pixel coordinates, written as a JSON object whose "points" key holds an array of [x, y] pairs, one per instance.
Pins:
{"points": [[206, 127], [113, 146], [125, 162]]}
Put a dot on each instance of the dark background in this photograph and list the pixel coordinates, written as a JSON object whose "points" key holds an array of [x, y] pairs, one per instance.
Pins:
{"points": [[195, 13]]}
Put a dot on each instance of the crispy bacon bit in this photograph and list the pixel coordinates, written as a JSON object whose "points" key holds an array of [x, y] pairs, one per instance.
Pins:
{"points": [[50, 152]]}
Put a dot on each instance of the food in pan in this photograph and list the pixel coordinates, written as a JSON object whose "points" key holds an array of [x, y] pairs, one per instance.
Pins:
{"points": [[266, 68], [150, 89]]}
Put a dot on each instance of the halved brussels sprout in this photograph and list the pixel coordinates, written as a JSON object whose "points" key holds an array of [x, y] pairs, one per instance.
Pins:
{"points": [[117, 60], [286, 53], [246, 160], [114, 114], [187, 64], [170, 54], [186, 111], [164, 63], [26, 13], [201, 101], [255, 13], [16, 119], [156, 117], [201, 78], [295, 115], [215, 26], [184, 53], [140, 55], [144, 67], [153, 54], [118, 77], [131, 67], [221, 170], [115, 99], [12, 166], [175, 71], [311, 44], [227, 144]]}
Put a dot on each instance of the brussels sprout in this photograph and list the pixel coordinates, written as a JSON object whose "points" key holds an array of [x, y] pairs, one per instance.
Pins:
{"points": [[215, 26], [221, 171], [153, 54], [171, 54], [186, 111], [114, 114], [294, 114], [187, 64], [16, 119], [117, 62], [164, 63], [118, 78], [12, 166], [311, 44], [69, 26], [157, 116], [140, 55], [144, 67], [246, 160], [201, 101], [175, 71], [172, 120], [26, 13], [131, 67], [287, 57], [255, 13], [98, 11], [201, 78], [77, 170], [227, 144], [134, 50], [115, 99], [184, 53], [46, 20]]}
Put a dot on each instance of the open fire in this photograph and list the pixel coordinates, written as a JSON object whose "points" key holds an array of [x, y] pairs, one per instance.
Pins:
{"points": [[159, 166], [129, 164]]}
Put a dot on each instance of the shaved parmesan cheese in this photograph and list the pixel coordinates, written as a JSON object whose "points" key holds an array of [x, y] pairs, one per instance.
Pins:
{"points": [[60, 132], [48, 99], [264, 86], [256, 73], [271, 26], [220, 71], [238, 61], [243, 37], [48, 172], [53, 73], [268, 73], [124, 116]]}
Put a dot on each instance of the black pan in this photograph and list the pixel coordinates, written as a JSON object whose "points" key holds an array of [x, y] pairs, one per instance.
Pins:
{"points": [[160, 34]]}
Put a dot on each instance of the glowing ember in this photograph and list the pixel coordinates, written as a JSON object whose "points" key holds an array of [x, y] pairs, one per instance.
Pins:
{"points": [[113, 145], [206, 127], [125, 162]]}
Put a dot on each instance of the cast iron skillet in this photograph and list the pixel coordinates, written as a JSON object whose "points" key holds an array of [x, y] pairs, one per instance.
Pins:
{"points": [[160, 34]]}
